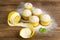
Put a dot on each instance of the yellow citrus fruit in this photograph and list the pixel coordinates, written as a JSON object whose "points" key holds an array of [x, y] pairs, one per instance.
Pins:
{"points": [[26, 33], [14, 17]]}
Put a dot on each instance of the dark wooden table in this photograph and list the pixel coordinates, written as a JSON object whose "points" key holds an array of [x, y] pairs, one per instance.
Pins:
{"points": [[11, 33]]}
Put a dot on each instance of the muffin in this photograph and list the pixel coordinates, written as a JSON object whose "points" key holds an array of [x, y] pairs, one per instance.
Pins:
{"points": [[28, 6], [14, 17], [26, 33], [34, 20], [45, 19], [26, 14], [37, 12]]}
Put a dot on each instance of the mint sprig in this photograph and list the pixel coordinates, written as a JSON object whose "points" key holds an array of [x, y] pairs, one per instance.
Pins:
{"points": [[42, 30]]}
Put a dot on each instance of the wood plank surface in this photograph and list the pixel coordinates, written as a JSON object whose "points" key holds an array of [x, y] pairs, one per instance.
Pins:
{"points": [[11, 33]]}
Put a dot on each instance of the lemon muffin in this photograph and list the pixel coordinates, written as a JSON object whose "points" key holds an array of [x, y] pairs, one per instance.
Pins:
{"points": [[34, 20], [26, 14], [37, 12], [26, 33], [28, 6], [45, 19], [14, 17]]}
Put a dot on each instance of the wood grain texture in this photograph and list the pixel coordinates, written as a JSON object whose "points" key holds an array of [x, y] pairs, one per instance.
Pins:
{"points": [[11, 33]]}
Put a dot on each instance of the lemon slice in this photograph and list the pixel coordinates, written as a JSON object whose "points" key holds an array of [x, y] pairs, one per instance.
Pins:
{"points": [[26, 33]]}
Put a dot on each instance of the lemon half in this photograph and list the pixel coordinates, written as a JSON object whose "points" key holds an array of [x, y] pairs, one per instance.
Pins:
{"points": [[14, 17], [26, 33]]}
